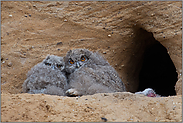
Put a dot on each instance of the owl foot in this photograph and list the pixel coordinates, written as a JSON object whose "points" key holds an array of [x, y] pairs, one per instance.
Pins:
{"points": [[72, 92]]}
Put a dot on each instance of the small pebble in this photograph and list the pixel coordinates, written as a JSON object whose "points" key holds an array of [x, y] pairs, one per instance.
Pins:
{"points": [[104, 52], [82, 39], [25, 15], [10, 15], [58, 49], [109, 35], [104, 119], [22, 56], [29, 15], [106, 94], [6, 58], [59, 43], [174, 107], [122, 65], [3, 62], [65, 20], [9, 64]]}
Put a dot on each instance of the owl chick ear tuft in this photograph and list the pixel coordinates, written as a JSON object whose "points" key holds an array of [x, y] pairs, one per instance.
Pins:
{"points": [[70, 51], [88, 53], [48, 57]]}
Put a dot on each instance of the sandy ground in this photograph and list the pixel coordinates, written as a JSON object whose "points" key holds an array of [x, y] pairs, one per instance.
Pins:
{"points": [[31, 30], [116, 107]]}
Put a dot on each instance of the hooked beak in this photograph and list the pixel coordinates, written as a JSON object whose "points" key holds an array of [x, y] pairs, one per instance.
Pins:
{"points": [[77, 65], [53, 67]]}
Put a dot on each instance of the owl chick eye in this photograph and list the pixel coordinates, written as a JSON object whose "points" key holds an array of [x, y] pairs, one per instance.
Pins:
{"points": [[83, 58], [48, 64], [71, 61], [59, 66]]}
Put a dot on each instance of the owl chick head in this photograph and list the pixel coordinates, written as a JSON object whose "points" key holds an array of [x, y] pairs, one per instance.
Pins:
{"points": [[76, 58], [54, 62]]}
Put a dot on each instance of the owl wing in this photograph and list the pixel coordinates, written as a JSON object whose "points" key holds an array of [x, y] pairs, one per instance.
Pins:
{"points": [[105, 75], [110, 78]]}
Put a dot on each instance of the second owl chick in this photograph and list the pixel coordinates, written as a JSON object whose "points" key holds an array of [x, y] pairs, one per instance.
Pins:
{"points": [[90, 73], [47, 77]]}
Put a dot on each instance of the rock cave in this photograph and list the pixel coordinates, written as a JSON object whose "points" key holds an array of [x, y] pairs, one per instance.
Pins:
{"points": [[154, 67], [158, 71]]}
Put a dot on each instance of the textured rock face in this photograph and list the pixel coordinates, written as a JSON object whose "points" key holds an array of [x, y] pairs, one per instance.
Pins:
{"points": [[121, 31]]}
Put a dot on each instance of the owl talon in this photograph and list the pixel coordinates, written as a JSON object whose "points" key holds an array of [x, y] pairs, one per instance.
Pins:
{"points": [[72, 92]]}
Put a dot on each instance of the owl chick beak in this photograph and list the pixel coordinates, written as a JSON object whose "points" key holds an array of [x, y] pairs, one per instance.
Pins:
{"points": [[77, 65], [53, 67]]}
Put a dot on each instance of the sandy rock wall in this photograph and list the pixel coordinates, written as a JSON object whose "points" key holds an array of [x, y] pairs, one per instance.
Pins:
{"points": [[31, 30]]}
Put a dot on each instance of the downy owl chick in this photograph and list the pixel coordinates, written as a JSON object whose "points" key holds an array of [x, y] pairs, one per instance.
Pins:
{"points": [[47, 77], [90, 73]]}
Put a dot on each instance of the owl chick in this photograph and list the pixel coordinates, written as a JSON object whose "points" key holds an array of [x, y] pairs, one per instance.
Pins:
{"points": [[90, 73], [47, 77]]}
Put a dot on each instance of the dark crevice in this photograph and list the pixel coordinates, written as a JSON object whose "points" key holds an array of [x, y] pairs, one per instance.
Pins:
{"points": [[149, 65], [158, 71]]}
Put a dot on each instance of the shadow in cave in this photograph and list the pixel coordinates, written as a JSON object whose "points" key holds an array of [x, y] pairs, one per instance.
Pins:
{"points": [[158, 71]]}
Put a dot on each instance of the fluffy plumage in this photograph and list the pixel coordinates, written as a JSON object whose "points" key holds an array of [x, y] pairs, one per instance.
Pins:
{"points": [[148, 92], [47, 77], [90, 73]]}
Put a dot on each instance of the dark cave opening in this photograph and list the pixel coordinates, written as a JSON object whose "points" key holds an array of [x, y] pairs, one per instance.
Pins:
{"points": [[149, 65], [158, 71]]}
